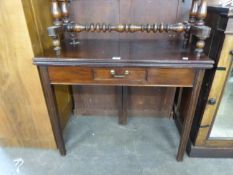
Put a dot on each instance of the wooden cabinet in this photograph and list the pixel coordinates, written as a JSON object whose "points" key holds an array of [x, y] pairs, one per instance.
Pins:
{"points": [[24, 119], [219, 48]]}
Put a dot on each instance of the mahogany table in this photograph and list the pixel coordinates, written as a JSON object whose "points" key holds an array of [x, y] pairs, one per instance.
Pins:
{"points": [[123, 63]]}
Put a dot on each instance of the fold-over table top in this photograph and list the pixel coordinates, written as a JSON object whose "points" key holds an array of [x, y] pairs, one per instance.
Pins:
{"points": [[124, 53]]}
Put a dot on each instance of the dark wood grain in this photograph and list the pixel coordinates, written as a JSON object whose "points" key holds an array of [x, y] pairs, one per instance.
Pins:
{"points": [[142, 101], [95, 100], [150, 101], [126, 11], [176, 77], [73, 75]]}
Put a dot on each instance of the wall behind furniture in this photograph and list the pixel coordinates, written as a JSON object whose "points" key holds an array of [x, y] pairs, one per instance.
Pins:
{"points": [[24, 118], [143, 101]]}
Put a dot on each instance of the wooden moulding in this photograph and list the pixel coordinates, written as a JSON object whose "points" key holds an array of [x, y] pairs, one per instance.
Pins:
{"points": [[207, 152]]}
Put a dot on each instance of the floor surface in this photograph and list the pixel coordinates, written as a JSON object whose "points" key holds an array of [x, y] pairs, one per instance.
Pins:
{"points": [[99, 146]]}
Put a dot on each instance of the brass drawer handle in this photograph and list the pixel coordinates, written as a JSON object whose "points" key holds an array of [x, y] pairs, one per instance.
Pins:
{"points": [[113, 73]]}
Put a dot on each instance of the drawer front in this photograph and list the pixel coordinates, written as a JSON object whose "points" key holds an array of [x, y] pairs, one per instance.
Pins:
{"points": [[122, 76], [68, 74], [171, 77]]}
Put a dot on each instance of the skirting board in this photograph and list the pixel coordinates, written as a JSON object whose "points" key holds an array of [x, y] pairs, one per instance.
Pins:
{"points": [[209, 152]]}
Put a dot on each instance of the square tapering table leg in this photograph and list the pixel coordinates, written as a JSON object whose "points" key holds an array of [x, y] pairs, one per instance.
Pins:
{"points": [[52, 108], [191, 100], [122, 98]]}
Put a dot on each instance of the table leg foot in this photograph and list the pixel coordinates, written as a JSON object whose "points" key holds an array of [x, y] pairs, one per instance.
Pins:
{"points": [[62, 152]]}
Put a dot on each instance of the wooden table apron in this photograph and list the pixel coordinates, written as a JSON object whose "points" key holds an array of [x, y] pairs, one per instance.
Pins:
{"points": [[48, 89]]}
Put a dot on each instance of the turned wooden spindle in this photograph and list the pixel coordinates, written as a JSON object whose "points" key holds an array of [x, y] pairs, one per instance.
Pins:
{"points": [[64, 10], [53, 32], [192, 20], [179, 27], [201, 13], [56, 13], [200, 17], [193, 11]]}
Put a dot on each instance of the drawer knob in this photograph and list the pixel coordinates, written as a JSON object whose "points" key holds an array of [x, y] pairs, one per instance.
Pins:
{"points": [[115, 75], [212, 101]]}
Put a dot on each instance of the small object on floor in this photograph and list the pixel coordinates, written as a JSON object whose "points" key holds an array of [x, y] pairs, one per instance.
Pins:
{"points": [[18, 163]]}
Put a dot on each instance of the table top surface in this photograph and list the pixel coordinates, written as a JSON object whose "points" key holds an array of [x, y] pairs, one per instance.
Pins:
{"points": [[142, 53]]}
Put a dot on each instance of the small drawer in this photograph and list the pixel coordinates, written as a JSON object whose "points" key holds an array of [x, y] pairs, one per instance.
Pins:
{"points": [[119, 74]]}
